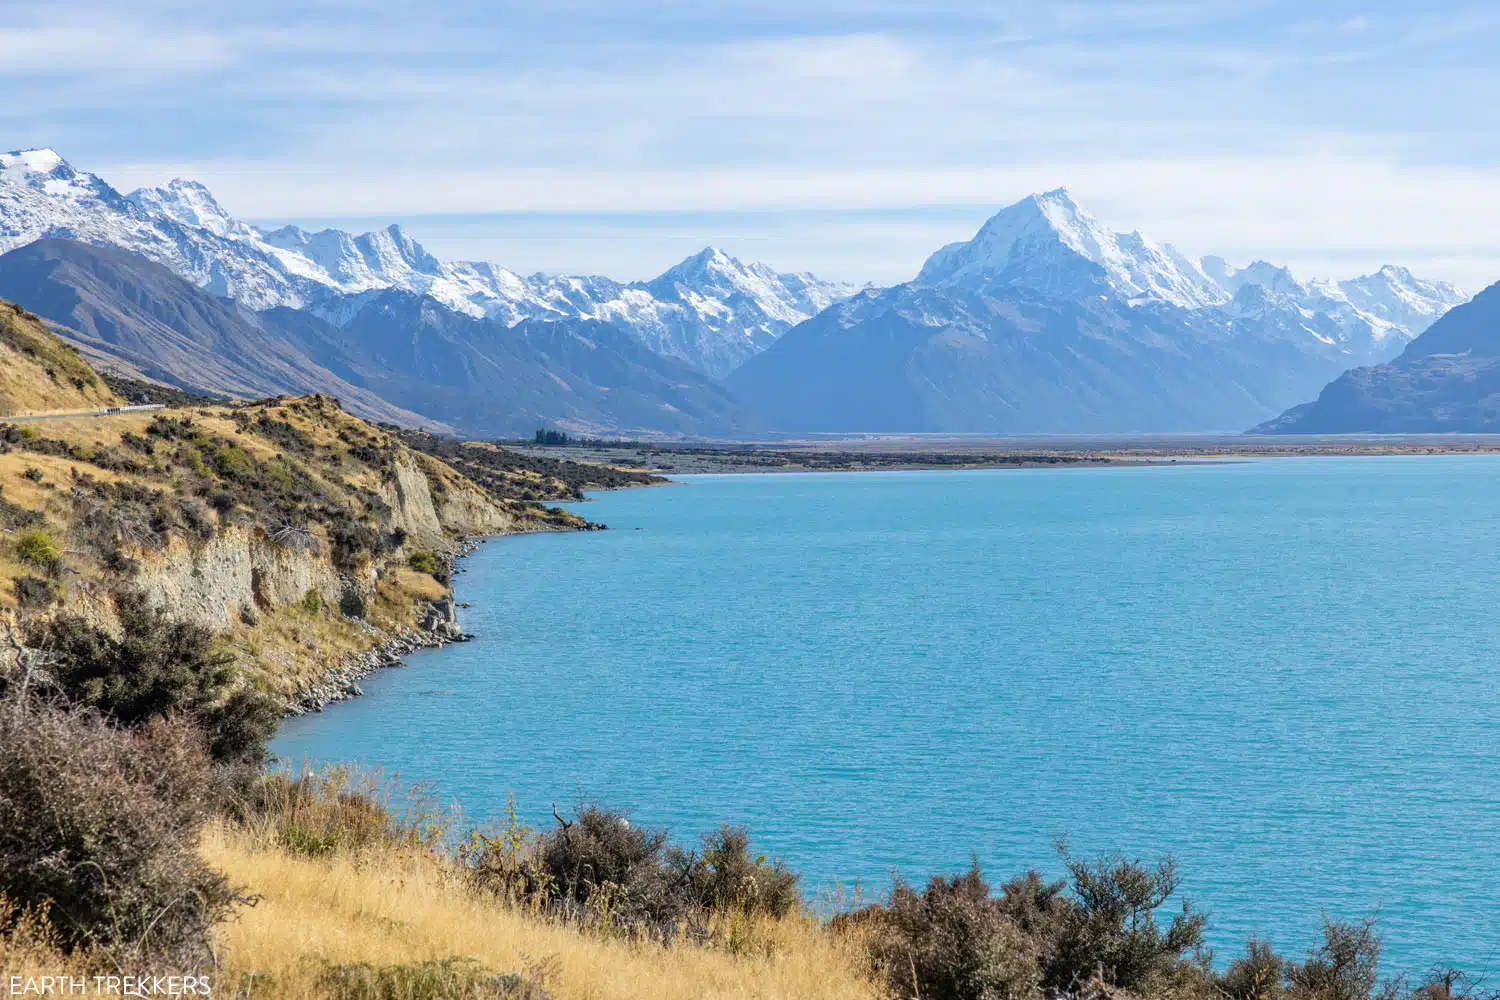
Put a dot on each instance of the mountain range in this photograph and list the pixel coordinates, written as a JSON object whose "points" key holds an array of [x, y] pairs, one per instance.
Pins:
{"points": [[1048, 322], [710, 310], [1044, 321]]}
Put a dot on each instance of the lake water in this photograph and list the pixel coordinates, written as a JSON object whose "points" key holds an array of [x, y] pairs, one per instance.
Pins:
{"points": [[1285, 672]]}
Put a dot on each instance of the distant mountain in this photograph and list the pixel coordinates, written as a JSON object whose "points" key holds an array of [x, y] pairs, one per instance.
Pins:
{"points": [[711, 310], [490, 379], [401, 357], [134, 316], [1047, 322], [1446, 381]]}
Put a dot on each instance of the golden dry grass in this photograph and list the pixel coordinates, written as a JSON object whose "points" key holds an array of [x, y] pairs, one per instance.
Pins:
{"points": [[394, 908], [28, 352]]}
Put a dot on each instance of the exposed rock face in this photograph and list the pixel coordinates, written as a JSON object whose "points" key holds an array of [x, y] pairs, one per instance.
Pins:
{"points": [[412, 507], [214, 582]]}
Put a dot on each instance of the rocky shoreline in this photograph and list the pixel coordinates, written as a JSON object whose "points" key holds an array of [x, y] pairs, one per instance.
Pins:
{"points": [[438, 627]]}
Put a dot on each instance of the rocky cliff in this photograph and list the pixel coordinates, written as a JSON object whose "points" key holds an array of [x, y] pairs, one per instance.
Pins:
{"points": [[315, 544]]}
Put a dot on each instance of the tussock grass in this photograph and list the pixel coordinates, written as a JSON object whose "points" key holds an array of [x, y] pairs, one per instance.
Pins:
{"points": [[397, 906]]}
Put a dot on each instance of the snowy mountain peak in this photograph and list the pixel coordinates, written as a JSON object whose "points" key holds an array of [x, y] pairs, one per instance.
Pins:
{"points": [[1045, 234], [189, 203], [32, 161]]}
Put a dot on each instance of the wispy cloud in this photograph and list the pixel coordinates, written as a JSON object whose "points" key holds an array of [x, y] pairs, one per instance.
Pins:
{"points": [[1219, 125]]}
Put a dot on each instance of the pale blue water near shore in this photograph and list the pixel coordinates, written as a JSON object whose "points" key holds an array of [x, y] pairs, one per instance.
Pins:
{"points": [[1286, 672]]}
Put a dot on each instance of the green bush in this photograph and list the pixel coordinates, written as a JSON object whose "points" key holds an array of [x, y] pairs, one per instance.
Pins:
{"points": [[728, 877], [37, 548], [154, 668], [352, 602], [427, 562], [312, 602]]}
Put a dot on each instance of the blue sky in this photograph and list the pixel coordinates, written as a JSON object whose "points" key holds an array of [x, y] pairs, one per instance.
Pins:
{"points": [[847, 138]]}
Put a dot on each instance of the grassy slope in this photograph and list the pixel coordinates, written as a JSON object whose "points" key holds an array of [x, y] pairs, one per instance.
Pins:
{"points": [[400, 906], [404, 907], [42, 374]]}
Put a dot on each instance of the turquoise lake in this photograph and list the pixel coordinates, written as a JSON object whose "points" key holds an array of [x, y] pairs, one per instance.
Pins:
{"points": [[1285, 672]]}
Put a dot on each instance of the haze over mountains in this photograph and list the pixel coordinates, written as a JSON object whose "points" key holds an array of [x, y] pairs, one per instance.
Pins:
{"points": [[1044, 321]]}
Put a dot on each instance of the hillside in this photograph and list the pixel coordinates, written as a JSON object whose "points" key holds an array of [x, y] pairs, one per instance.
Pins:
{"points": [[489, 379], [136, 317], [398, 357], [1446, 381], [41, 373], [298, 533]]}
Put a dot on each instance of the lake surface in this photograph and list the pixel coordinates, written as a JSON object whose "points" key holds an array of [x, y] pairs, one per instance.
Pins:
{"points": [[1285, 672]]}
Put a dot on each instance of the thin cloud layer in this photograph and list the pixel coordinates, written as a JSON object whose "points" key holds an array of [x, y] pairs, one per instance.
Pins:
{"points": [[1361, 133]]}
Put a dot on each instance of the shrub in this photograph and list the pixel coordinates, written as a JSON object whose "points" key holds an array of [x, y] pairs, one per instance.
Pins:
{"points": [[34, 592], [956, 939], [1111, 930], [341, 810], [427, 562], [728, 878], [353, 541], [1256, 976], [98, 830], [352, 602], [33, 473], [601, 868], [951, 942], [37, 548], [155, 667], [312, 602], [1343, 967]]}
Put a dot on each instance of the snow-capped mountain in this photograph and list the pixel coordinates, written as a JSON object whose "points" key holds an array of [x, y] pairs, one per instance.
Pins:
{"points": [[1047, 240], [712, 310], [1047, 321], [1028, 240]]}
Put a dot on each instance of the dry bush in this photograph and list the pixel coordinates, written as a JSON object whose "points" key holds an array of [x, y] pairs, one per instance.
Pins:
{"points": [[601, 871], [951, 941], [341, 810], [1097, 932], [99, 834], [730, 878]]}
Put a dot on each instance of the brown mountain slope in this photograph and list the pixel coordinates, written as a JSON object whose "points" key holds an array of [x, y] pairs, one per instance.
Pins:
{"points": [[130, 315]]}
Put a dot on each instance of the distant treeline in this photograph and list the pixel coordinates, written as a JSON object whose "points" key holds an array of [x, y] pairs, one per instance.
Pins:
{"points": [[548, 438]]}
